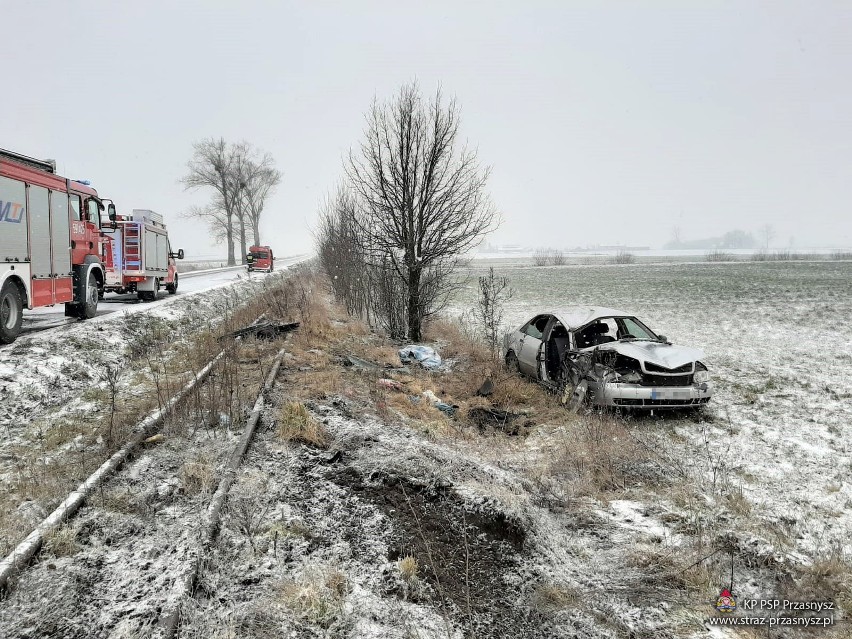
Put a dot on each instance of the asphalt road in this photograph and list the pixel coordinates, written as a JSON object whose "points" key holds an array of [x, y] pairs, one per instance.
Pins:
{"points": [[188, 284]]}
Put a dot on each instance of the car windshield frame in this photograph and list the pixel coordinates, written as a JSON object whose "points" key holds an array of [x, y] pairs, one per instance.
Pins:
{"points": [[651, 335]]}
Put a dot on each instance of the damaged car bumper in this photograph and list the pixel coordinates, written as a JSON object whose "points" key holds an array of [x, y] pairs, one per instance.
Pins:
{"points": [[637, 396]]}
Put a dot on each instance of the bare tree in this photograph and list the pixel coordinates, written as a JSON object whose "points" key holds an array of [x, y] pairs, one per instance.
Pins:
{"points": [[494, 292], [541, 257], [216, 164], [341, 253], [421, 200], [767, 231], [213, 214], [259, 179]]}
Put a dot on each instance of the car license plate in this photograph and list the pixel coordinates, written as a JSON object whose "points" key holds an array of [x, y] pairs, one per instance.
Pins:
{"points": [[670, 393]]}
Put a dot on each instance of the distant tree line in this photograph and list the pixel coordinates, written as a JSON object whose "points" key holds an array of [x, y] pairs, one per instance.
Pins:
{"points": [[411, 204], [240, 178], [545, 257], [735, 239]]}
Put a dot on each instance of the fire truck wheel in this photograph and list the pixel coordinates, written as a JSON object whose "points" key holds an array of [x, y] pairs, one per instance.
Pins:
{"points": [[89, 308], [11, 313], [172, 288]]}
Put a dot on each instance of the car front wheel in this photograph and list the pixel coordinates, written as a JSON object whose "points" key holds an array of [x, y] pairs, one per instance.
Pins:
{"points": [[11, 312]]}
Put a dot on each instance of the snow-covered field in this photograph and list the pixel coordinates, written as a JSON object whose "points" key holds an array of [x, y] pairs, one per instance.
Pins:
{"points": [[507, 542], [778, 342]]}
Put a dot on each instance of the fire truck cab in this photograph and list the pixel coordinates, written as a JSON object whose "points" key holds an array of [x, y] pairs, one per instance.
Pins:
{"points": [[260, 258], [50, 242]]}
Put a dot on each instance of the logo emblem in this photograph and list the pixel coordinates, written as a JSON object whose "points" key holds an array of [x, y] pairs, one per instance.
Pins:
{"points": [[11, 212], [726, 601]]}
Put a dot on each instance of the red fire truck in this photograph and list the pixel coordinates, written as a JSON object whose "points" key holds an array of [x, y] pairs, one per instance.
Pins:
{"points": [[137, 255], [50, 244], [260, 258]]}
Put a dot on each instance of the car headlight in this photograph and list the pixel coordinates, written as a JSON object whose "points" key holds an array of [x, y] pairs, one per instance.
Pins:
{"points": [[630, 378], [701, 376]]}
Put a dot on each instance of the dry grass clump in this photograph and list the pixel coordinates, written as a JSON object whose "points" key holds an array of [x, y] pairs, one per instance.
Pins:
{"points": [[407, 567], [550, 597], [601, 453], [62, 542], [679, 568], [382, 354], [296, 424], [737, 502], [197, 476], [317, 597], [414, 406], [456, 343], [317, 383], [828, 577], [296, 529]]}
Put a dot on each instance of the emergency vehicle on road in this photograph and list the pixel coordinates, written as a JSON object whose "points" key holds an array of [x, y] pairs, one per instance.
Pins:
{"points": [[260, 258], [50, 242], [137, 255]]}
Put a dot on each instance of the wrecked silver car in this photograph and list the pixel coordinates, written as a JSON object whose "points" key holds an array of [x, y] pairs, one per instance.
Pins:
{"points": [[608, 358]]}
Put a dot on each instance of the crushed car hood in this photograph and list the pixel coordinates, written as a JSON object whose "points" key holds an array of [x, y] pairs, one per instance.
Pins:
{"points": [[666, 355]]}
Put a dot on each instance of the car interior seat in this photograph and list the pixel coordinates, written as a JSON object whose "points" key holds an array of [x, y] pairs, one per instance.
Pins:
{"points": [[558, 343], [600, 336]]}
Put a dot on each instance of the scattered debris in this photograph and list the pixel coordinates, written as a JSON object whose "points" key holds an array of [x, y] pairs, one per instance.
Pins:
{"points": [[444, 407], [263, 330], [426, 356], [335, 457], [391, 384], [449, 409], [154, 439], [357, 362], [484, 416], [486, 389]]}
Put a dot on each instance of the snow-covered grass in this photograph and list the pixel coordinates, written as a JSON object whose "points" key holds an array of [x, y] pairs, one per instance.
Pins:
{"points": [[71, 394], [769, 460], [407, 523]]}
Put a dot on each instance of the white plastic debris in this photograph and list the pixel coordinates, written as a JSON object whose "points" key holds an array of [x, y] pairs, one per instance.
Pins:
{"points": [[426, 356]]}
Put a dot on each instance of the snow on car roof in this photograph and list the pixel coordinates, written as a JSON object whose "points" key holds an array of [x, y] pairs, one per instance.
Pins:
{"points": [[577, 316]]}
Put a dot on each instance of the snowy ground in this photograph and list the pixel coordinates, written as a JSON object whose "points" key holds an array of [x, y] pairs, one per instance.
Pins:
{"points": [[116, 567], [54, 388], [779, 345], [34, 369], [506, 545]]}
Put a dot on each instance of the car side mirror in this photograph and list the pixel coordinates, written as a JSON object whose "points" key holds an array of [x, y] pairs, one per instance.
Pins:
{"points": [[663, 338], [111, 212]]}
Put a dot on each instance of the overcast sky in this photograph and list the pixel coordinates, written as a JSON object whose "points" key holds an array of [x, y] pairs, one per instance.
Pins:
{"points": [[603, 122]]}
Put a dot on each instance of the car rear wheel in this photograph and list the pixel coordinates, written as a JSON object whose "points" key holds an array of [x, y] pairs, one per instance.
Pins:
{"points": [[512, 363], [11, 313]]}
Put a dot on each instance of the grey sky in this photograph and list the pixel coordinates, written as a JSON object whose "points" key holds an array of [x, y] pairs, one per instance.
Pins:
{"points": [[603, 122]]}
